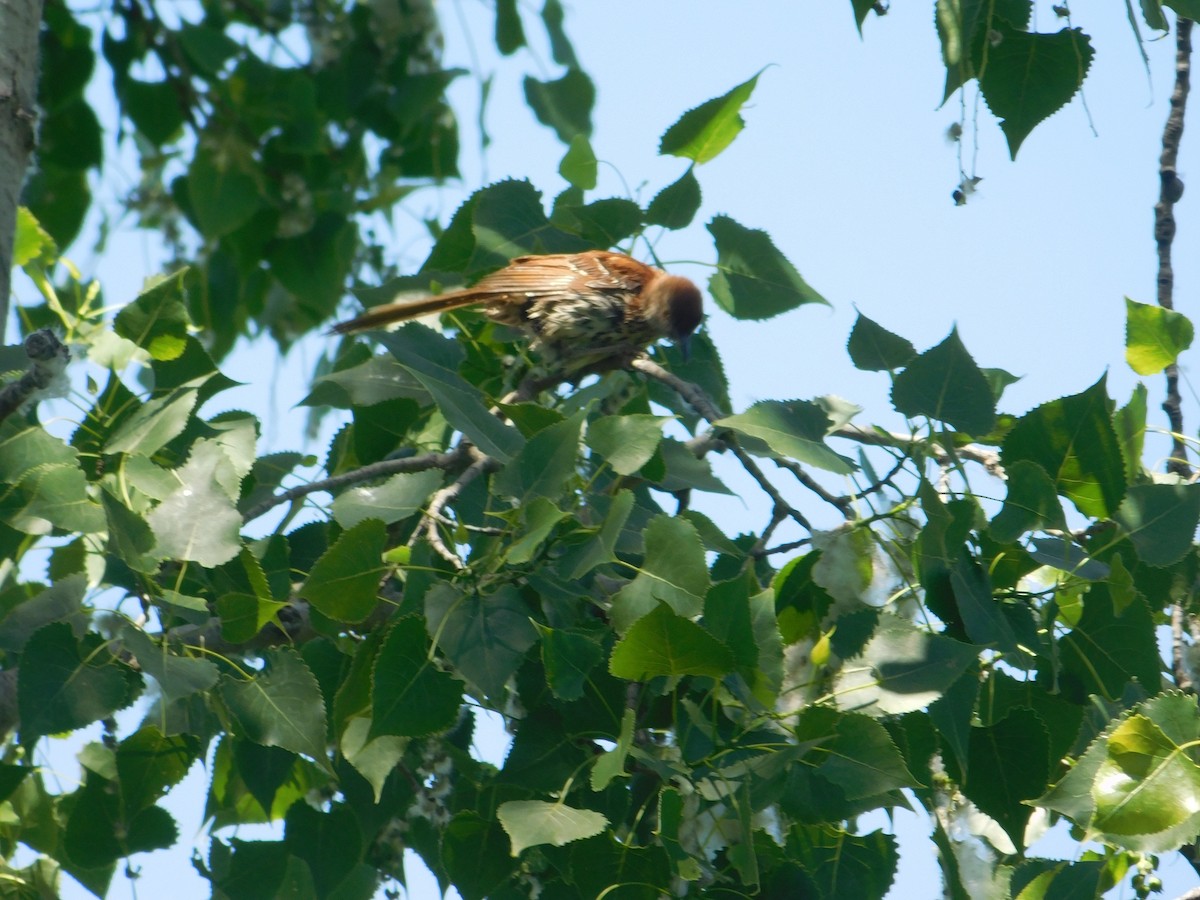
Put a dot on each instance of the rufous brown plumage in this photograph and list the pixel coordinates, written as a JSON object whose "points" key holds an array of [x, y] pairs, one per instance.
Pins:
{"points": [[577, 308]]}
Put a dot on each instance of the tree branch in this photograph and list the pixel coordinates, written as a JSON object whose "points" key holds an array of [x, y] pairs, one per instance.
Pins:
{"points": [[449, 460], [48, 358], [1170, 190]]}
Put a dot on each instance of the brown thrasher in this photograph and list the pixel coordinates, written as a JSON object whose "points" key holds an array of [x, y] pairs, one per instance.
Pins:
{"points": [[578, 308]]}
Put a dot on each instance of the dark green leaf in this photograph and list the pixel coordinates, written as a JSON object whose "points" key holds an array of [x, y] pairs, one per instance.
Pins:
{"points": [[344, 582], [569, 655], [995, 784], [1129, 423], [564, 105], [484, 636], [458, 400], [545, 465], [662, 643], [510, 36], [280, 706], [875, 349], [902, 669], [157, 320], [1029, 77], [944, 383], [753, 279], [1072, 439], [156, 108], [675, 205], [1160, 520], [223, 191], [330, 843], [64, 684], [1031, 503], [560, 45], [476, 855], [411, 696], [1104, 651]]}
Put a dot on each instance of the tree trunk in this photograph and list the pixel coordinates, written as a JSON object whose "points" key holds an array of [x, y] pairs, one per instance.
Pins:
{"points": [[18, 97]]}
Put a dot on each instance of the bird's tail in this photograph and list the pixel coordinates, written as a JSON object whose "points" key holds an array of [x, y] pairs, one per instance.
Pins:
{"points": [[403, 310]]}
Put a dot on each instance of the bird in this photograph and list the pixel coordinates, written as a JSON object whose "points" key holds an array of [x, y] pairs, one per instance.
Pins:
{"points": [[578, 309]]}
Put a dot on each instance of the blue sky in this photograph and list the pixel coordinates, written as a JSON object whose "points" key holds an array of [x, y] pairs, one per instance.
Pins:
{"points": [[845, 162]]}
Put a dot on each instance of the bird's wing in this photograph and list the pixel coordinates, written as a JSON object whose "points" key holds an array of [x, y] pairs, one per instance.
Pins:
{"points": [[565, 276]]}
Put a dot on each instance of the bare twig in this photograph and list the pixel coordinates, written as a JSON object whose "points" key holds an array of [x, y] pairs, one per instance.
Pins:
{"points": [[442, 498], [845, 505], [1170, 190], [450, 460], [877, 437], [1183, 674]]}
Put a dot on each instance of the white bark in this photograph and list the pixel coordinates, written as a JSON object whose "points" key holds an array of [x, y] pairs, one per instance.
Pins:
{"points": [[19, 21]]}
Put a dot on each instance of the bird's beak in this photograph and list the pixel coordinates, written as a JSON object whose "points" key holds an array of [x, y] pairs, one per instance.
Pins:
{"points": [[685, 346]]}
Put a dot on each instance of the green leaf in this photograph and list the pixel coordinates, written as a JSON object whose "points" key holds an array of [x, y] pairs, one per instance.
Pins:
{"points": [[459, 401], [391, 501], [344, 582], [673, 571], [64, 684], [222, 188], [753, 279], [1073, 440], [843, 864], [1031, 504], [1189, 9], [611, 764], [1129, 423], [375, 380], [374, 760], [1161, 520], [997, 786], [564, 104], [1154, 337], [155, 424], [1147, 783], [675, 205], [510, 35], [177, 676], [599, 549], [626, 442], [199, 520], [474, 853], [795, 429], [560, 45], [484, 636], [149, 763], [1104, 651], [532, 822], [61, 601], [875, 349], [411, 697], [569, 655], [855, 752], [155, 107], [244, 615], [901, 669], [31, 241], [538, 518], [982, 615], [944, 383], [157, 320], [208, 48], [281, 706], [607, 222], [1029, 77], [330, 843], [662, 643], [702, 133], [578, 164], [545, 465]]}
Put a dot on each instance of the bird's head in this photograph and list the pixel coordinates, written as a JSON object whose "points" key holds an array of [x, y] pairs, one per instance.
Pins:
{"points": [[675, 303]]}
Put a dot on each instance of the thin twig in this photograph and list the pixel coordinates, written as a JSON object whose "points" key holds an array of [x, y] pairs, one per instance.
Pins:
{"points": [[877, 437], [442, 498], [449, 460], [1170, 190], [844, 505]]}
